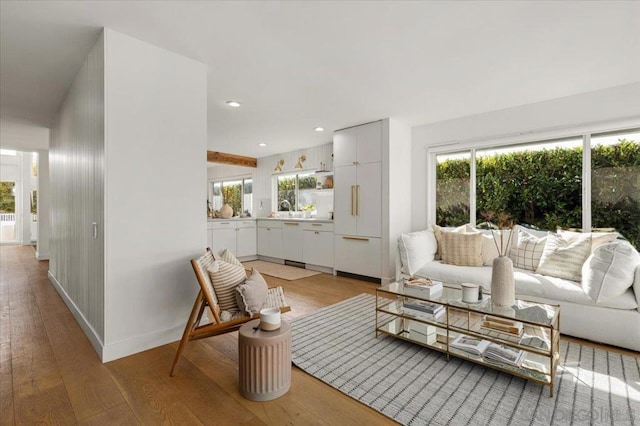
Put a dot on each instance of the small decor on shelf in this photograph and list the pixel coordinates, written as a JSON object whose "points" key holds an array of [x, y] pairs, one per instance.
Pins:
{"points": [[503, 291], [226, 211]]}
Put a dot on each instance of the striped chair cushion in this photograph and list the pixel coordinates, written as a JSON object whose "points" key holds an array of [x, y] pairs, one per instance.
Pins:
{"points": [[528, 251], [564, 259], [225, 277]]}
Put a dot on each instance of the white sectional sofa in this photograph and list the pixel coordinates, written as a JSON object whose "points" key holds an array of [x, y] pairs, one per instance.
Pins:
{"points": [[610, 320]]}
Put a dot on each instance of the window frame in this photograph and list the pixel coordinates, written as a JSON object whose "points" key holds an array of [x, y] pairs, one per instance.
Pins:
{"points": [[275, 190], [503, 141], [222, 180]]}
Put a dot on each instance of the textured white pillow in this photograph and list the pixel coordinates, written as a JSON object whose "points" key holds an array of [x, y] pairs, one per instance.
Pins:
{"points": [[597, 238], [462, 249], [437, 231], [527, 251], [610, 270], [251, 294], [563, 259], [416, 249]]}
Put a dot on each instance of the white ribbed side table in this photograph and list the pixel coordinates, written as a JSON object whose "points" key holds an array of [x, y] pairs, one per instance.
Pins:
{"points": [[264, 361]]}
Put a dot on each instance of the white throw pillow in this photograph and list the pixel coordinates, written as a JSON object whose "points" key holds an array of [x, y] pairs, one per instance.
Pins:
{"points": [[251, 294], [527, 251], [416, 249], [563, 259], [610, 270], [597, 238]]}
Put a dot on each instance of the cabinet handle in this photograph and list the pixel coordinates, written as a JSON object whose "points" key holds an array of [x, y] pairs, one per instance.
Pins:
{"points": [[355, 238], [291, 223], [224, 223], [268, 229], [316, 224], [316, 232], [357, 200], [353, 187]]}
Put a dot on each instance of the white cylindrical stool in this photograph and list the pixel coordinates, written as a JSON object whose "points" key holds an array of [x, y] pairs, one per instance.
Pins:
{"points": [[264, 359]]}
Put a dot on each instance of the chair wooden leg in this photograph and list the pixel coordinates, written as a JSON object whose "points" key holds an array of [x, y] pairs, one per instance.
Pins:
{"points": [[191, 324]]}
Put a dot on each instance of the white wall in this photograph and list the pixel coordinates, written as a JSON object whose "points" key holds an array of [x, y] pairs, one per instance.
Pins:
{"points": [[22, 135], [599, 110], [42, 248], [155, 106], [76, 156]]}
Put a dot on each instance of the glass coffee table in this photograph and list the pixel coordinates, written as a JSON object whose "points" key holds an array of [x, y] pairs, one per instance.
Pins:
{"points": [[523, 340]]}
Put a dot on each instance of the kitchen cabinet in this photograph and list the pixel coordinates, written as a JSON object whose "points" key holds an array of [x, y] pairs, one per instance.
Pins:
{"points": [[372, 189], [238, 236], [270, 239], [317, 244], [292, 241]]}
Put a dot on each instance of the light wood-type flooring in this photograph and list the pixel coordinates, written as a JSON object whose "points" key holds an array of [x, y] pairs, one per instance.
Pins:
{"points": [[50, 374]]}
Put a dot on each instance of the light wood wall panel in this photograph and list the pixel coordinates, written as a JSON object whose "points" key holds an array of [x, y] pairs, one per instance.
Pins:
{"points": [[76, 162]]}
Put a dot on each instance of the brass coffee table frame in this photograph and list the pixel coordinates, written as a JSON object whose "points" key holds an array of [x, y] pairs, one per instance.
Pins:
{"points": [[540, 319]]}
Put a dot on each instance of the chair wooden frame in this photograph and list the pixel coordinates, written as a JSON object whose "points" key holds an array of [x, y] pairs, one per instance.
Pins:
{"points": [[206, 298]]}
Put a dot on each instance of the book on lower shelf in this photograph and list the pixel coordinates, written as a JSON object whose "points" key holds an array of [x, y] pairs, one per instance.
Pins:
{"points": [[489, 351], [503, 325]]}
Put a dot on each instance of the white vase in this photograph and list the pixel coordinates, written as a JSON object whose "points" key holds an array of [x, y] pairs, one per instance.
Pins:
{"points": [[226, 211], [503, 288]]}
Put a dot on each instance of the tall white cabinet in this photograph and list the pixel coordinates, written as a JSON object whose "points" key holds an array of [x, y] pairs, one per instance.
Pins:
{"points": [[372, 196]]}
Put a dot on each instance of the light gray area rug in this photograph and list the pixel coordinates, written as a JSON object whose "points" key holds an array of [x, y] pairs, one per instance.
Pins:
{"points": [[415, 385]]}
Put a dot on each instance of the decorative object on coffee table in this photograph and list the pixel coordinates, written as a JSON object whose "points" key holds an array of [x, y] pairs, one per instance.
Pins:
{"points": [[503, 290]]}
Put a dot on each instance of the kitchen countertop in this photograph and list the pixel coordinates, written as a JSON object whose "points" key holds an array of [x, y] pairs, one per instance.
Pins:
{"points": [[281, 219]]}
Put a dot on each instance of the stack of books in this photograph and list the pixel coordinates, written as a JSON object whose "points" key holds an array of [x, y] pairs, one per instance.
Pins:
{"points": [[432, 310], [503, 325], [490, 352], [423, 287]]}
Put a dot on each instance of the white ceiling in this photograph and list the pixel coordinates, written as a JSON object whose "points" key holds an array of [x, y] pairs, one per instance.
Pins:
{"points": [[297, 65]]}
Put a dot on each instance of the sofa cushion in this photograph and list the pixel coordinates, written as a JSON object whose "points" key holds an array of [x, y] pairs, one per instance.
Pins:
{"points": [[416, 249], [563, 259], [610, 270], [597, 238], [437, 231], [527, 251], [462, 249]]}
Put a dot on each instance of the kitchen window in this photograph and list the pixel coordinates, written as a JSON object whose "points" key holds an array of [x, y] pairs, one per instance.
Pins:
{"points": [[238, 193], [296, 192]]}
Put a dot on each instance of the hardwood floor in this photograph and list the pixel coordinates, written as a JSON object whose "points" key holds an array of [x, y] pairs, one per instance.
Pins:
{"points": [[50, 374]]}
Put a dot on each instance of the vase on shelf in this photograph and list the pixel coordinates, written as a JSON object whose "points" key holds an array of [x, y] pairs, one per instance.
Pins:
{"points": [[503, 289], [226, 211]]}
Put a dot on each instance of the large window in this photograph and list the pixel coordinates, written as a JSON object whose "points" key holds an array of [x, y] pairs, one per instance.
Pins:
{"points": [[541, 184], [238, 193], [615, 183], [296, 192]]}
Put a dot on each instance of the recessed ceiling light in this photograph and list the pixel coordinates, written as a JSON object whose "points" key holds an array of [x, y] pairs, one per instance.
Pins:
{"points": [[234, 104], [319, 129], [262, 144]]}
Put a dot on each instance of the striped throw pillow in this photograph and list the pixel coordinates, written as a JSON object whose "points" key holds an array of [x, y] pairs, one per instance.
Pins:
{"points": [[564, 259], [528, 251], [228, 257], [225, 277]]}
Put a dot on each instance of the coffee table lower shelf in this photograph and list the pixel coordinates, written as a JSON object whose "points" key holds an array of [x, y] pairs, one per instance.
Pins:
{"points": [[533, 368]]}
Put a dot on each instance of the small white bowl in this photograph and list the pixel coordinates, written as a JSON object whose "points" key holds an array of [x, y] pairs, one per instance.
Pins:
{"points": [[269, 319], [470, 292]]}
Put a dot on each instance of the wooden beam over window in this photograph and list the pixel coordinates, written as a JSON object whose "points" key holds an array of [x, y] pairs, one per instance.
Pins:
{"points": [[238, 160]]}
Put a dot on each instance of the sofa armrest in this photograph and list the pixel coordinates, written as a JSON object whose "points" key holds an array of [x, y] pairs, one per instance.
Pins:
{"points": [[636, 285]]}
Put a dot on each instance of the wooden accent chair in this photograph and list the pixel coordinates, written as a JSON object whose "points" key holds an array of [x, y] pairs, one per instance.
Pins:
{"points": [[207, 298]]}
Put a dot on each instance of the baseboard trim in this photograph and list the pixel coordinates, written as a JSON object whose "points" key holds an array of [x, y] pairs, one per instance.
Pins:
{"points": [[141, 343], [91, 334], [42, 256]]}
